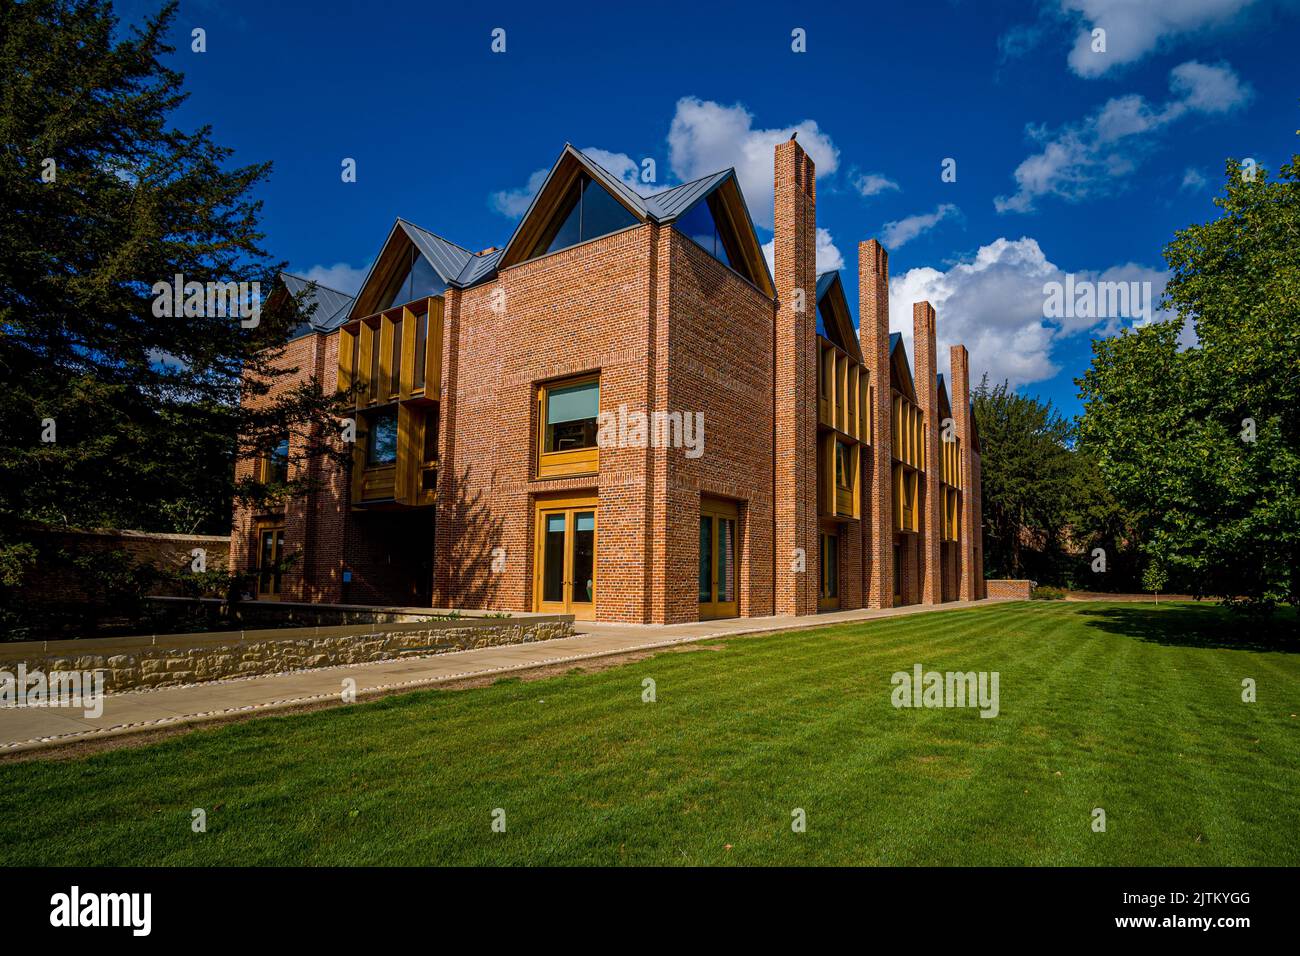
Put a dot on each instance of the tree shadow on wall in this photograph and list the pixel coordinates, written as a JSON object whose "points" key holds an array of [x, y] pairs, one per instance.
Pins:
{"points": [[475, 535]]}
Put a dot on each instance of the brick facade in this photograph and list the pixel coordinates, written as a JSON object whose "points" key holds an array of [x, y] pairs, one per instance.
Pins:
{"points": [[668, 328]]}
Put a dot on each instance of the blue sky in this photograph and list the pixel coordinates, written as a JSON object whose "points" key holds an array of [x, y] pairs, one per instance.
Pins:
{"points": [[1067, 160]]}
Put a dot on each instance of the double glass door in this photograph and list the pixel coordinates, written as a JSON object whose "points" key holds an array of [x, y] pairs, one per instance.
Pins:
{"points": [[718, 555], [566, 558]]}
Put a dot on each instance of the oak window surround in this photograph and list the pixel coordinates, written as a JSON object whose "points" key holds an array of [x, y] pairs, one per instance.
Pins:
{"points": [[567, 427]]}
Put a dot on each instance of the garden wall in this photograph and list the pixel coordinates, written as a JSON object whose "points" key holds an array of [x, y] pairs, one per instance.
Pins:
{"points": [[1009, 589], [166, 660]]}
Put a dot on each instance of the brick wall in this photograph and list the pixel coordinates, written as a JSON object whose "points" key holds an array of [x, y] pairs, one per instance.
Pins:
{"points": [[1009, 589]]}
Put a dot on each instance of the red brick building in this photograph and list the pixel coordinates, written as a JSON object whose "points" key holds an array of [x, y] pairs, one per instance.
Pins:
{"points": [[625, 415]]}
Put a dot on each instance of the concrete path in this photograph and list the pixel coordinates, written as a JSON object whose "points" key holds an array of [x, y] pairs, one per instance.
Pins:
{"points": [[136, 711]]}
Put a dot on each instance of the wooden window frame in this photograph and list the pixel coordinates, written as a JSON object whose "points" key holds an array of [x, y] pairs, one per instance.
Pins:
{"points": [[564, 464]]}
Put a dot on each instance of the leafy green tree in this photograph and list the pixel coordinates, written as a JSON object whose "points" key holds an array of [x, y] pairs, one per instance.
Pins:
{"points": [[113, 415], [1027, 478], [1201, 444]]}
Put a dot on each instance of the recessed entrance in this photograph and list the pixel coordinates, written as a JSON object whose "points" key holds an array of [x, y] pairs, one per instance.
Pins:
{"points": [[717, 564], [828, 594], [270, 558], [564, 575]]}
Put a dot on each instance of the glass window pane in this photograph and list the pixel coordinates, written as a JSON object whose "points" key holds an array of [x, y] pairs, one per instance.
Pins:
{"points": [[382, 443], [571, 403], [567, 231], [424, 280], [601, 212], [697, 225], [553, 559], [726, 559], [832, 565], [571, 417], [706, 559], [374, 360], [397, 357], [421, 343], [584, 557]]}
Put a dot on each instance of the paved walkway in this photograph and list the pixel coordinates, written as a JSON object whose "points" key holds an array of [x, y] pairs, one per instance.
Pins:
{"points": [[136, 711]]}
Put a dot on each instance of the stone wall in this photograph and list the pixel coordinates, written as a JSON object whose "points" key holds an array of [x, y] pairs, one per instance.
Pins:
{"points": [[1009, 590], [134, 663]]}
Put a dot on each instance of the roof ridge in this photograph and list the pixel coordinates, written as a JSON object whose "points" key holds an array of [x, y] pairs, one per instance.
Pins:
{"points": [[436, 235], [319, 285]]}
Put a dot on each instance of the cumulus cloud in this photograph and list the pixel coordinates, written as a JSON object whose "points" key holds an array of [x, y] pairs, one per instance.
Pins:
{"points": [[1135, 28], [1086, 158], [340, 277], [896, 233], [514, 202], [829, 257], [993, 303], [871, 184], [705, 137]]}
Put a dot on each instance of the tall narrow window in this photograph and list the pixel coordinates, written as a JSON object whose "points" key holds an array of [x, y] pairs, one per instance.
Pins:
{"points": [[421, 343], [396, 385], [381, 442], [375, 385], [277, 462]]}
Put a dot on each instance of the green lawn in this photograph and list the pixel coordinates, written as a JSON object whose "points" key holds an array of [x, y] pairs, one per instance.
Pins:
{"points": [[1131, 708]]}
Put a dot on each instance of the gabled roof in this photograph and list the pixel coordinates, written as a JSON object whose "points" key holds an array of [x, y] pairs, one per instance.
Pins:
{"points": [[834, 305], [331, 305], [902, 368], [661, 207]]}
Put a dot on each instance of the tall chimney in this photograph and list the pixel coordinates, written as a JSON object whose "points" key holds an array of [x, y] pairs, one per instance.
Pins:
{"points": [[873, 332], [795, 554], [971, 572], [927, 395]]}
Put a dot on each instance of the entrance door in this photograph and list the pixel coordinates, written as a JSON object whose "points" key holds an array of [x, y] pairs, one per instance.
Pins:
{"points": [[270, 553], [565, 570], [717, 565], [828, 597]]}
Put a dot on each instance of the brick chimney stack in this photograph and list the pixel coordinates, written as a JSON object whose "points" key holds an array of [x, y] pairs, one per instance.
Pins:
{"points": [[795, 554], [927, 396], [971, 572], [873, 333]]}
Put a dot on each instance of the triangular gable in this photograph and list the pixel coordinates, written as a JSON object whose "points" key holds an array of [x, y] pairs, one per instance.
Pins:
{"points": [[730, 212], [547, 204], [945, 406], [900, 369], [834, 317], [446, 259], [324, 309]]}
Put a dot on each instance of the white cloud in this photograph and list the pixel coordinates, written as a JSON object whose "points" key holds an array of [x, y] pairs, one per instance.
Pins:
{"points": [[829, 258], [993, 303], [896, 233], [1193, 179], [705, 137], [871, 184], [514, 202], [1085, 158], [340, 276], [1135, 28]]}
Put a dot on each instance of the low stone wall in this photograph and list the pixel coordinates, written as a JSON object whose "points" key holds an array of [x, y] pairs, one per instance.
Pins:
{"points": [[133, 663], [1009, 589]]}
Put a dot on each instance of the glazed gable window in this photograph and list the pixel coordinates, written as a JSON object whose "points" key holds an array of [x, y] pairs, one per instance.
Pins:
{"points": [[567, 417]]}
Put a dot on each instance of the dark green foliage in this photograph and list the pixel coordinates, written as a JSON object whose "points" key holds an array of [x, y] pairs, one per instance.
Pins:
{"points": [[1201, 445], [147, 410]]}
